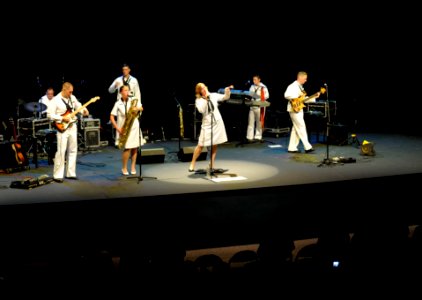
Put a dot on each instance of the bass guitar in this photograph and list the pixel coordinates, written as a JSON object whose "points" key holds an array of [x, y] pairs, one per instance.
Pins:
{"points": [[62, 125], [298, 103]]}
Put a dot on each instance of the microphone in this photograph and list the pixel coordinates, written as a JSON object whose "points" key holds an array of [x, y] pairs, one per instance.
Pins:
{"points": [[325, 84], [248, 82]]}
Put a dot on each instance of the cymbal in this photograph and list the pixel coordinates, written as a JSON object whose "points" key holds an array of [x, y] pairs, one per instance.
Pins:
{"points": [[35, 106]]}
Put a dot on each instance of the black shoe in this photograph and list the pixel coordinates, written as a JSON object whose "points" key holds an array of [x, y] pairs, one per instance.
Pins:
{"points": [[310, 150], [59, 180], [296, 151], [72, 177]]}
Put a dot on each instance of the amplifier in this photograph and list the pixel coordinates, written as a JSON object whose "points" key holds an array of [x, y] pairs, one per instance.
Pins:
{"points": [[92, 137], [91, 123], [30, 126]]}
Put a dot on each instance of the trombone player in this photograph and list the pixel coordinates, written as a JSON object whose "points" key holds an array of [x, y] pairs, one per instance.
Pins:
{"points": [[128, 134]]}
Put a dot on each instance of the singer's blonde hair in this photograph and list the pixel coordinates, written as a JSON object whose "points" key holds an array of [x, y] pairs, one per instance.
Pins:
{"points": [[198, 89]]}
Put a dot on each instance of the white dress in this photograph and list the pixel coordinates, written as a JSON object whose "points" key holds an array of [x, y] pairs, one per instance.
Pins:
{"points": [[211, 120], [134, 139]]}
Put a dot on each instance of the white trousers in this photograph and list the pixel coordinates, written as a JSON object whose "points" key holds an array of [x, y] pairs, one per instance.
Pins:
{"points": [[67, 144], [254, 130], [298, 132]]}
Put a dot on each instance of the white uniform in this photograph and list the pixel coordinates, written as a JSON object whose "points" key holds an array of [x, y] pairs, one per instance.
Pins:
{"points": [[212, 121], [46, 101], [254, 130], [67, 141], [298, 132], [134, 90], [119, 110]]}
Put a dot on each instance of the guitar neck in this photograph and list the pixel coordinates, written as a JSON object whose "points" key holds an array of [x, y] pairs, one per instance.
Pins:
{"points": [[79, 109], [311, 97]]}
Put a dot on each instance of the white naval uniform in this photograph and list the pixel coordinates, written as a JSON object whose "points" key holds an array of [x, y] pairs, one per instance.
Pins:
{"points": [[254, 120], [212, 122], [67, 141], [298, 132], [119, 110], [44, 100], [134, 90]]}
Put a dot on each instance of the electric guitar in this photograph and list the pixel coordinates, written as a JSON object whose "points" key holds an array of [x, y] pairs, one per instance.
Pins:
{"points": [[298, 103], [62, 125]]}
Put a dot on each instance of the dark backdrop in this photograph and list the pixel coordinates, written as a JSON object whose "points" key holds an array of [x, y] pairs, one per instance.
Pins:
{"points": [[364, 57]]}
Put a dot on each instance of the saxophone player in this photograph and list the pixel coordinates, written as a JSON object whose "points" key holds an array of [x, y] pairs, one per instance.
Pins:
{"points": [[127, 110]]}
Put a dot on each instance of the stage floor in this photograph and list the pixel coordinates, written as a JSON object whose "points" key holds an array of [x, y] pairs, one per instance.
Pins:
{"points": [[250, 166], [265, 191]]}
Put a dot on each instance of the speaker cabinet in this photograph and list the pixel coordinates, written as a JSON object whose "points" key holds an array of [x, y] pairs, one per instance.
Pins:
{"points": [[92, 137], [152, 156], [185, 154], [338, 134]]}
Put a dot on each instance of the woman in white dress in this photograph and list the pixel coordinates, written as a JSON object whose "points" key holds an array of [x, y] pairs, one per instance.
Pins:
{"points": [[213, 131], [121, 109]]}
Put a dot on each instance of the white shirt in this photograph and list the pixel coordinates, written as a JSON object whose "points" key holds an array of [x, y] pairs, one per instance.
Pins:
{"points": [[134, 90]]}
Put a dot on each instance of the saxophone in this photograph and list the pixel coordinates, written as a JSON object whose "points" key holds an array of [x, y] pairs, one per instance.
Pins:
{"points": [[131, 116], [182, 131]]}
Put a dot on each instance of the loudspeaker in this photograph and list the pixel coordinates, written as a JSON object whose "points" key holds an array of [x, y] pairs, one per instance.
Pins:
{"points": [[338, 134], [92, 137], [185, 154], [152, 156]]}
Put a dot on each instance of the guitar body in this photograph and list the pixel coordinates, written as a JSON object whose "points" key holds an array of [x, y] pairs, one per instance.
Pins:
{"points": [[18, 153], [20, 158], [299, 103], [62, 126]]}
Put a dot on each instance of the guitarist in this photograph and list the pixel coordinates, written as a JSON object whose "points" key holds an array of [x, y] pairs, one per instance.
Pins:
{"points": [[60, 107], [298, 133]]}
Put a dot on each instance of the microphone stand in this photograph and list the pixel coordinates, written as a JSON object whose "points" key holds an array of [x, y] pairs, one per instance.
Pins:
{"points": [[210, 171], [139, 161], [327, 160]]}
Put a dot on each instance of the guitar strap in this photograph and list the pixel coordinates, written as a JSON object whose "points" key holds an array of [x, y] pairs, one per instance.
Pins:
{"points": [[68, 107]]}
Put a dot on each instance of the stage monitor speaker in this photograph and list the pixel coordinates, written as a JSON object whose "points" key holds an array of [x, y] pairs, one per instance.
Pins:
{"points": [[152, 156], [185, 154], [92, 137], [338, 134]]}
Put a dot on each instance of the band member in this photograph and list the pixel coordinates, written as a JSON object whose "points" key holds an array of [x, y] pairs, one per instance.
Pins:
{"points": [[67, 141], [46, 99], [258, 92], [298, 133], [213, 131], [127, 109], [126, 79]]}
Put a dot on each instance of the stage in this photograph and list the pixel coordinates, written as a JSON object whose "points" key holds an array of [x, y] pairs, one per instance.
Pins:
{"points": [[264, 188], [250, 166]]}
